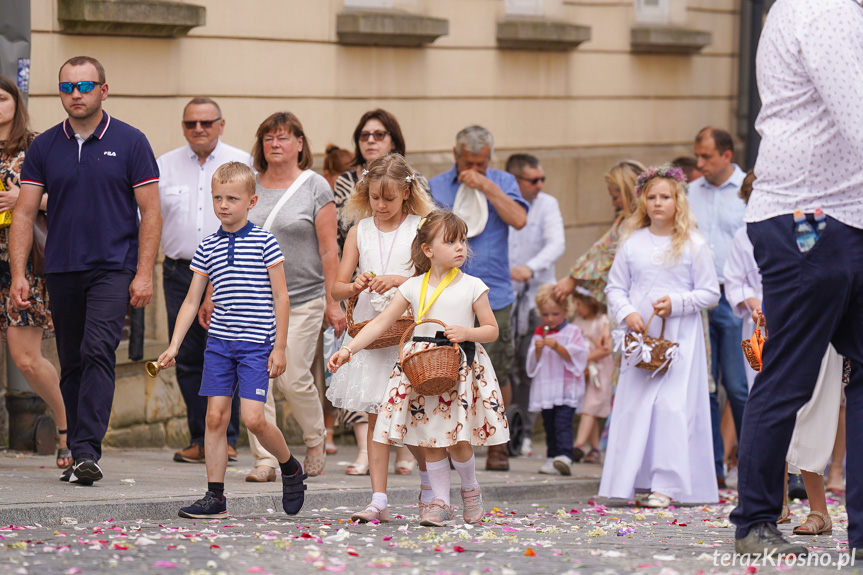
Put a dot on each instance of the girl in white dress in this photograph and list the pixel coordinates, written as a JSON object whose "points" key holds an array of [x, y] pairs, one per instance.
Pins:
{"points": [[660, 437], [387, 204], [469, 414]]}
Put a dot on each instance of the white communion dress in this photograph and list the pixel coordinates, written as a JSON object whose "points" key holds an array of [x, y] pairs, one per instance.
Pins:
{"points": [[660, 437]]}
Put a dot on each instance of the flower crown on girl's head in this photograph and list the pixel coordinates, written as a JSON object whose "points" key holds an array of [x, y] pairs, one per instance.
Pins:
{"points": [[663, 171]]}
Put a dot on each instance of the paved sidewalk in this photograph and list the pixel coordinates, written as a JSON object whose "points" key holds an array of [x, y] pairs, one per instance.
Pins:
{"points": [[146, 483]]}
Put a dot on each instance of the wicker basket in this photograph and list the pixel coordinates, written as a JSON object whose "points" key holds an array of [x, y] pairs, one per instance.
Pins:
{"points": [[659, 347], [389, 338], [752, 348], [431, 371]]}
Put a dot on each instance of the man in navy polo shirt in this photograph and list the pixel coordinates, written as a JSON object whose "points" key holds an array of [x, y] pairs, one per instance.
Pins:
{"points": [[490, 260], [98, 173]]}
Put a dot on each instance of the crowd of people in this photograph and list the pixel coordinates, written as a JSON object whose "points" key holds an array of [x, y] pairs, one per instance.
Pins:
{"points": [[640, 334]]}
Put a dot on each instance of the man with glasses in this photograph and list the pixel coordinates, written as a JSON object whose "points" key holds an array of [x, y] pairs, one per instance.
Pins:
{"points": [[490, 261], [99, 173], [185, 183], [533, 252]]}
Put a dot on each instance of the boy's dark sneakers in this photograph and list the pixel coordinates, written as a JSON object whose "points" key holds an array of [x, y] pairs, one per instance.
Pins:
{"points": [[293, 492], [67, 473], [205, 508], [85, 471]]}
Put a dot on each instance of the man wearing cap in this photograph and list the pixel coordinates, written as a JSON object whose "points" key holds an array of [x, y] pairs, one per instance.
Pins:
{"points": [[490, 202], [185, 184]]}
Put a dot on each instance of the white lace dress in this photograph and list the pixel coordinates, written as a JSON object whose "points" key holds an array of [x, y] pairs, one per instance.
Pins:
{"points": [[360, 385]]}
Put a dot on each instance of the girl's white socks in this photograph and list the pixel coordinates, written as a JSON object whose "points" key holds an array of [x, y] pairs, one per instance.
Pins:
{"points": [[467, 472], [439, 478], [379, 499], [426, 495]]}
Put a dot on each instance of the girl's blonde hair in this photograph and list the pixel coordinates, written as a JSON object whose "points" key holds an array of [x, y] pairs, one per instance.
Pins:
{"points": [[545, 295], [438, 222], [622, 176], [396, 176], [684, 221]]}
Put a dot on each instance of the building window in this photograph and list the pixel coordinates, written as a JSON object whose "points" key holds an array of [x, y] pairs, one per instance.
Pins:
{"points": [[652, 11], [524, 7], [369, 4]]}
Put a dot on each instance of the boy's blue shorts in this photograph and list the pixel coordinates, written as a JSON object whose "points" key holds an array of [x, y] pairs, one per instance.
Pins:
{"points": [[228, 363]]}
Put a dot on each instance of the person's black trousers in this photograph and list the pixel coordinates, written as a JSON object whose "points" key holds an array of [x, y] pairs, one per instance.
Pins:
{"points": [[558, 430], [810, 299], [176, 278], [89, 308]]}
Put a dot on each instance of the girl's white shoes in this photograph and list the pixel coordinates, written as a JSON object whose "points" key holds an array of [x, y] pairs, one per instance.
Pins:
{"points": [[657, 501], [563, 464], [548, 468]]}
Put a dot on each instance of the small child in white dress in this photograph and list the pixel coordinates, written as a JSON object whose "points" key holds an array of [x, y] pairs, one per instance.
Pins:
{"points": [[556, 359], [471, 413], [387, 203], [660, 436]]}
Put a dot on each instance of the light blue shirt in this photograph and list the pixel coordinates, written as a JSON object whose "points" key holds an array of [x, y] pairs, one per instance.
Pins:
{"points": [[490, 259], [538, 245], [719, 213]]}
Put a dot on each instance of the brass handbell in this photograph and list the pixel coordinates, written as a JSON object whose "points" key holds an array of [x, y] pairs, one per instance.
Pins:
{"points": [[153, 368]]}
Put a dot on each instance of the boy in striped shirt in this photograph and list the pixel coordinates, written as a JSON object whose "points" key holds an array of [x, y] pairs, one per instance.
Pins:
{"points": [[246, 342]]}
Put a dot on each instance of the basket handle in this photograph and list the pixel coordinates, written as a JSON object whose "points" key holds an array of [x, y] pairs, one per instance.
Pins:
{"points": [[647, 326], [409, 332], [349, 311]]}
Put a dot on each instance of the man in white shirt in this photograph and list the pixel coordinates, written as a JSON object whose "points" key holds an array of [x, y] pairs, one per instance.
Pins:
{"points": [[719, 211], [187, 218], [810, 77], [533, 252]]}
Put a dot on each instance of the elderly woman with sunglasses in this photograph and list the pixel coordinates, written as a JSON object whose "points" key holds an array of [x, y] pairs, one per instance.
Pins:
{"points": [[25, 329], [296, 205], [377, 134]]}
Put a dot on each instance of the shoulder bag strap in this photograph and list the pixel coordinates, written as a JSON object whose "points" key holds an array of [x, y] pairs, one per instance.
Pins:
{"points": [[301, 179]]}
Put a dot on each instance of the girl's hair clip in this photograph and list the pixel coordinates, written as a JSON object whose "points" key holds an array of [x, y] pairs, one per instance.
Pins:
{"points": [[420, 225], [583, 291], [411, 178], [365, 173]]}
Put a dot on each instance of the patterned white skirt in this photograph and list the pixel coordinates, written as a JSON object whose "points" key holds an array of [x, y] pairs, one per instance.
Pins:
{"points": [[471, 412]]}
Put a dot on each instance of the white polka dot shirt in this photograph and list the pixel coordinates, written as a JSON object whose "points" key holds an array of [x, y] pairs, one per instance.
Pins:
{"points": [[810, 77]]}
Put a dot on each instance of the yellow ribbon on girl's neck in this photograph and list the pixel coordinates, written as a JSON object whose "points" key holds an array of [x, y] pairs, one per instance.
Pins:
{"points": [[437, 291]]}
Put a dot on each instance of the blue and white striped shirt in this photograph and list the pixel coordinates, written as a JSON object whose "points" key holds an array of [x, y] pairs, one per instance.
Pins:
{"points": [[237, 263]]}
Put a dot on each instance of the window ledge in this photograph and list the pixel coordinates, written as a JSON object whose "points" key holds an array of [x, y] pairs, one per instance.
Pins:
{"points": [[160, 18], [389, 28], [668, 40], [525, 33]]}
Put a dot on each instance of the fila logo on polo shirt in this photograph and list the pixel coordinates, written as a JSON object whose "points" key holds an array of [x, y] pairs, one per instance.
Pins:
{"points": [[109, 153]]}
